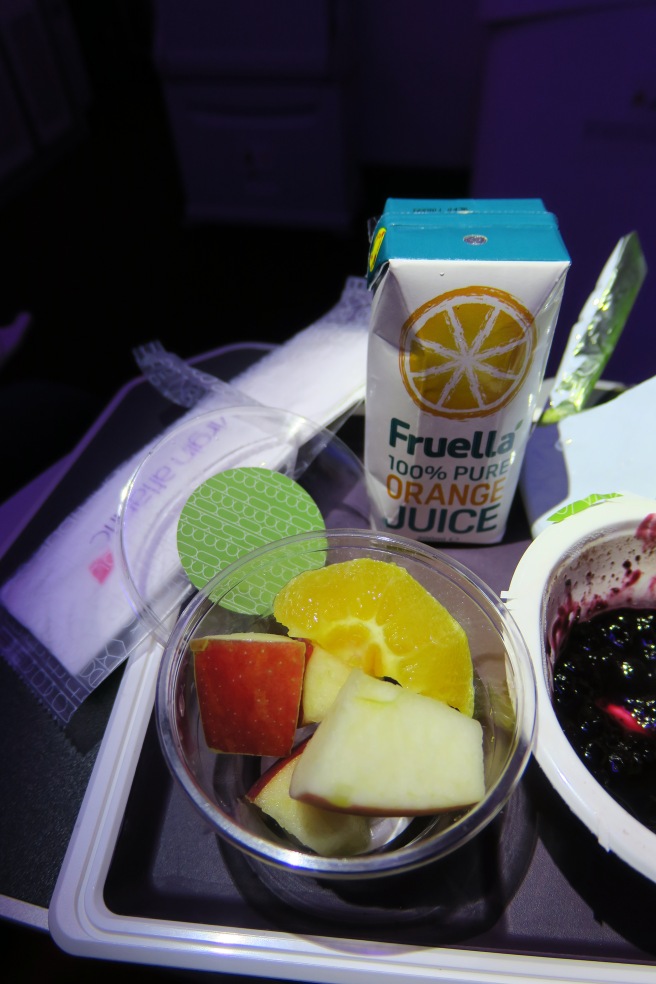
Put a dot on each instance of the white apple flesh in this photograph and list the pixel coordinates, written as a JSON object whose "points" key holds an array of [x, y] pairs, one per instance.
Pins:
{"points": [[323, 831], [325, 676], [382, 750]]}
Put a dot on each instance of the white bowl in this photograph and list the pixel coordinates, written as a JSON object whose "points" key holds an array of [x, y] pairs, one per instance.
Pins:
{"points": [[605, 553]]}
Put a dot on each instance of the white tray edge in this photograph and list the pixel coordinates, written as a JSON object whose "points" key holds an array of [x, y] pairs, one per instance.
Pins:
{"points": [[81, 924]]}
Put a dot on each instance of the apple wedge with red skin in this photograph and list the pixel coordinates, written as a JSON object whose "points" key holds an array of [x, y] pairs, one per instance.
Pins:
{"points": [[382, 750], [249, 691], [326, 832]]}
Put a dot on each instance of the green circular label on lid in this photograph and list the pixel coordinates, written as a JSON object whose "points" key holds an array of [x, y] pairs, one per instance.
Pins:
{"points": [[233, 513]]}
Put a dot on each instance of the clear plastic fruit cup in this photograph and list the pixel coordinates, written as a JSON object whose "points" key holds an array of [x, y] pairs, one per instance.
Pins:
{"points": [[216, 784]]}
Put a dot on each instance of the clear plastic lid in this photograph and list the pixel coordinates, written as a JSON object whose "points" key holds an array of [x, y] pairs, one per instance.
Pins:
{"points": [[201, 447]]}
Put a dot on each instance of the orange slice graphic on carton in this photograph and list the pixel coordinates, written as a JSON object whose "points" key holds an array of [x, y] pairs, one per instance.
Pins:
{"points": [[467, 352]]}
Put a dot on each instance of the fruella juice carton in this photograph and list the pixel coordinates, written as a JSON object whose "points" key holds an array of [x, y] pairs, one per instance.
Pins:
{"points": [[465, 300]]}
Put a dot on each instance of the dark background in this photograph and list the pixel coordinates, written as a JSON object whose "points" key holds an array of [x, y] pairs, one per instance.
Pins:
{"points": [[106, 248], [204, 171]]}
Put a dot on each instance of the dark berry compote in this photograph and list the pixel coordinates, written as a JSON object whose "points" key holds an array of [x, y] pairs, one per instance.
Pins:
{"points": [[604, 693]]}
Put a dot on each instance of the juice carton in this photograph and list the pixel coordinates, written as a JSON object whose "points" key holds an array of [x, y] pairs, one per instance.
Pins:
{"points": [[465, 300]]}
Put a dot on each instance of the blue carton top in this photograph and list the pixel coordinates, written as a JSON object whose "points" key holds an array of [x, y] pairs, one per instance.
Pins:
{"points": [[478, 229]]}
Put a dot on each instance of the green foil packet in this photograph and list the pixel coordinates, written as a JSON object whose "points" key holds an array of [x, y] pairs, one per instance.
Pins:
{"points": [[596, 333]]}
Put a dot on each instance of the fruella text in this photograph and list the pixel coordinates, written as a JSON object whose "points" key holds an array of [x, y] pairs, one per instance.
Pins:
{"points": [[481, 445], [447, 485]]}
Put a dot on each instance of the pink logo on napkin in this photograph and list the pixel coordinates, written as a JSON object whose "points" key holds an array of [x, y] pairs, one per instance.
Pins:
{"points": [[102, 567]]}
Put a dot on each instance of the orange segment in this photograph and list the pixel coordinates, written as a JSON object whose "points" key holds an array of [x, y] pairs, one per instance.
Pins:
{"points": [[374, 615], [466, 353]]}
